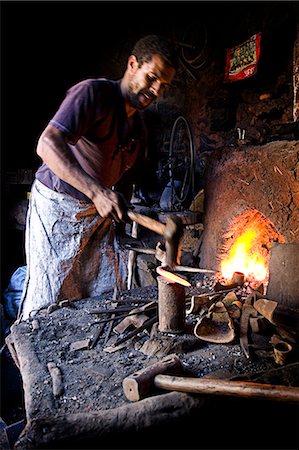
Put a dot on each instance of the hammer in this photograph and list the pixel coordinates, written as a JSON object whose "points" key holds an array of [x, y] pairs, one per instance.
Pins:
{"points": [[163, 375], [172, 232]]}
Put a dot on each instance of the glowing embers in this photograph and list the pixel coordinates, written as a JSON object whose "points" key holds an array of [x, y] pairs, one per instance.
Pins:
{"points": [[171, 277], [243, 258], [247, 247]]}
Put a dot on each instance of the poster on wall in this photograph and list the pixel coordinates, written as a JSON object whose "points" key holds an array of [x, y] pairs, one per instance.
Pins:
{"points": [[242, 60]]}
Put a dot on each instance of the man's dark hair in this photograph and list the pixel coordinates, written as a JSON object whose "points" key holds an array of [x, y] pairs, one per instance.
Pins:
{"points": [[154, 44]]}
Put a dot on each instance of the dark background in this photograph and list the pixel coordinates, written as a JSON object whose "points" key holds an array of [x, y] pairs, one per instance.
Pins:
{"points": [[48, 46]]}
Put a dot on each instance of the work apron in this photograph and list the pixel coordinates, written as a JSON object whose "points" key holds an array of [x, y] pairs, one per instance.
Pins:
{"points": [[71, 252]]}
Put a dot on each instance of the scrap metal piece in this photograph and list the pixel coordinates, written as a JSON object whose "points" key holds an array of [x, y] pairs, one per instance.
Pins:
{"points": [[35, 325], [281, 350], [278, 314], [201, 303], [133, 333], [258, 324], [112, 348], [135, 318], [52, 307], [217, 326], [247, 311], [57, 382], [97, 336], [80, 345], [67, 303], [114, 304]]}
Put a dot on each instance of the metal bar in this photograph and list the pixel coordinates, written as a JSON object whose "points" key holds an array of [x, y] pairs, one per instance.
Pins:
{"points": [[104, 311], [97, 336], [123, 316], [115, 295], [146, 324]]}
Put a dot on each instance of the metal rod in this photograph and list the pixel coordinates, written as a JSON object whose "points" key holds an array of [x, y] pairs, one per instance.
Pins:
{"points": [[122, 316], [104, 311], [133, 333], [97, 336], [115, 296], [192, 269]]}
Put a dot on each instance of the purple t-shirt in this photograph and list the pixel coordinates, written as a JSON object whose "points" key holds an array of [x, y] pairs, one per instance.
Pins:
{"points": [[93, 117]]}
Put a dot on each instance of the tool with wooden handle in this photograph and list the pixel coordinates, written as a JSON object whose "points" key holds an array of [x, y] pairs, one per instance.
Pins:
{"points": [[164, 375], [140, 384], [147, 222], [172, 232], [246, 389]]}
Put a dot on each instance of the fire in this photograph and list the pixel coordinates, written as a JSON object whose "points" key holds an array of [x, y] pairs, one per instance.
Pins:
{"points": [[171, 277], [245, 257]]}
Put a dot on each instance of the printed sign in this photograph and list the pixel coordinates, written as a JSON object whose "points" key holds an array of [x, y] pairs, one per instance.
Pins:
{"points": [[242, 60]]}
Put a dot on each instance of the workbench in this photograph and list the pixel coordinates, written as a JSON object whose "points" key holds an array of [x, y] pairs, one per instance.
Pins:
{"points": [[83, 405]]}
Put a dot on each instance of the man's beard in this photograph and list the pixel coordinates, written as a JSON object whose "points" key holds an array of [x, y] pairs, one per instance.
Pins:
{"points": [[141, 99]]}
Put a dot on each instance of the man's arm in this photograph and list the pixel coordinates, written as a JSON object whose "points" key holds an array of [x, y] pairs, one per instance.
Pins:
{"points": [[53, 150]]}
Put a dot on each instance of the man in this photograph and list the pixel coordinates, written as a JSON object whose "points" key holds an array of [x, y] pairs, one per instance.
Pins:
{"points": [[94, 140]]}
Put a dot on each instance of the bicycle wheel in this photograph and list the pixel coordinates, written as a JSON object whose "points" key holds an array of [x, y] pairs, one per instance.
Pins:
{"points": [[181, 161]]}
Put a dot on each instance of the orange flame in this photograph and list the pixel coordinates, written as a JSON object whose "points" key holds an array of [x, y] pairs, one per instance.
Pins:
{"points": [[245, 257], [171, 277]]}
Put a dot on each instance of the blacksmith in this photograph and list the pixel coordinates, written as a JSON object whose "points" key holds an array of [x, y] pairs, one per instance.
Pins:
{"points": [[95, 139]]}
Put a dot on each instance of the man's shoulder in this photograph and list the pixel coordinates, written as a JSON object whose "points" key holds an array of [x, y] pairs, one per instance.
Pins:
{"points": [[100, 90], [98, 84]]}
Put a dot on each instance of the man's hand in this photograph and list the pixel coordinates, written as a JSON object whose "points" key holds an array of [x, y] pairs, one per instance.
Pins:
{"points": [[111, 203], [53, 150]]}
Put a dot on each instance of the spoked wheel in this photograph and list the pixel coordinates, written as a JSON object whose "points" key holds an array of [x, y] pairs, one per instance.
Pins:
{"points": [[181, 162]]}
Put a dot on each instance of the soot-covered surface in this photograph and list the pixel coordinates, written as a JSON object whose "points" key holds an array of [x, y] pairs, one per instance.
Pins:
{"points": [[92, 378]]}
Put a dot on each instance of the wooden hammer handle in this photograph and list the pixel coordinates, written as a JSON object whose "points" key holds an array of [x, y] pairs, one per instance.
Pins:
{"points": [[147, 222], [223, 387]]}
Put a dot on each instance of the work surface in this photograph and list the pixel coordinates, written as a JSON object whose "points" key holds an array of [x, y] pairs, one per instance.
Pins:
{"points": [[91, 399]]}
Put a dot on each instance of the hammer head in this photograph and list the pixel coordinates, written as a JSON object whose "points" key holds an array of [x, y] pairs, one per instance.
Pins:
{"points": [[141, 384], [173, 233]]}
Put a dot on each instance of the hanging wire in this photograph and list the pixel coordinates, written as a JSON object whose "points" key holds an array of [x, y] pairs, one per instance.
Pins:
{"points": [[192, 46], [200, 58]]}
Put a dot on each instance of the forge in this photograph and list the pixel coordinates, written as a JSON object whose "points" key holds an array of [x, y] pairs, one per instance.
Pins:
{"points": [[251, 189], [247, 246]]}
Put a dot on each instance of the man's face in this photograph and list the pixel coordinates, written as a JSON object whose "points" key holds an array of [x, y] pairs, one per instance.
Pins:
{"points": [[148, 82]]}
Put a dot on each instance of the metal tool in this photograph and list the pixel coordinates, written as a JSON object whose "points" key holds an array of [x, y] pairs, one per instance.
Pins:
{"points": [[172, 232]]}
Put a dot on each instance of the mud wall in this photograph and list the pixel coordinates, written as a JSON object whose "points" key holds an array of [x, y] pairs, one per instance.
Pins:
{"points": [[263, 178]]}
